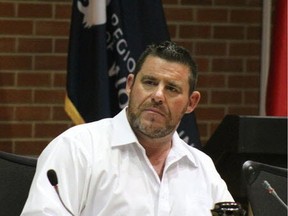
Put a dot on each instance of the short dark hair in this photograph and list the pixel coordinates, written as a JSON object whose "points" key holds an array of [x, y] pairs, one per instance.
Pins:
{"points": [[171, 52]]}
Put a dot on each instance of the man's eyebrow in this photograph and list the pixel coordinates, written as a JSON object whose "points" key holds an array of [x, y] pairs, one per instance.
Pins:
{"points": [[148, 77], [172, 83]]}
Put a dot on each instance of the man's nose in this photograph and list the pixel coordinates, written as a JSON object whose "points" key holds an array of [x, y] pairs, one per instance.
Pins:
{"points": [[158, 95]]}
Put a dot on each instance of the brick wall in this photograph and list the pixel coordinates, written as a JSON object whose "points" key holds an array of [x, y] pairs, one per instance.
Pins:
{"points": [[223, 35], [225, 38]]}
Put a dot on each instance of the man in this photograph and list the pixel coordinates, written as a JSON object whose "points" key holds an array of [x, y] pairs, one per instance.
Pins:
{"points": [[135, 163]]}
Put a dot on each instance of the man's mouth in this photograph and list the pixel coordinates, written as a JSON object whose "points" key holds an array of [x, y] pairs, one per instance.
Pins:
{"points": [[154, 110]]}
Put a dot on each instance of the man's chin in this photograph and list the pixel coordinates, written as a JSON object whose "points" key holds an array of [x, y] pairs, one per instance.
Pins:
{"points": [[154, 130], [155, 123]]}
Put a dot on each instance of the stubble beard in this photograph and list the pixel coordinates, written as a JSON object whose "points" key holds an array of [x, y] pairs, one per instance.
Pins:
{"points": [[149, 130]]}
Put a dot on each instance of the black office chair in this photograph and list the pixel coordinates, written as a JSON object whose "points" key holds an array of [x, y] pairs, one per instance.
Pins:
{"points": [[262, 180], [16, 174]]}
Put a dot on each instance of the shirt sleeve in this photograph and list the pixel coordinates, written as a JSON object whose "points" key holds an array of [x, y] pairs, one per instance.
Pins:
{"points": [[220, 190], [70, 161]]}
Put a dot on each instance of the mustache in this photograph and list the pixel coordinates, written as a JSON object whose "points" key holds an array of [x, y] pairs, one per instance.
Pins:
{"points": [[155, 105]]}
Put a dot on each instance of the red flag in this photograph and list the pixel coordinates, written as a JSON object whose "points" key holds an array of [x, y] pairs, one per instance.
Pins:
{"points": [[276, 101]]}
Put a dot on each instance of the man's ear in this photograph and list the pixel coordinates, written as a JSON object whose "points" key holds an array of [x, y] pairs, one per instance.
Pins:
{"points": [[193, 101], [129, 83]]}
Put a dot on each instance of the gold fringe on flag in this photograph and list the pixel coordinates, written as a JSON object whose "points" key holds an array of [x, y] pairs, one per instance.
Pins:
{"points": [[72, 112]]}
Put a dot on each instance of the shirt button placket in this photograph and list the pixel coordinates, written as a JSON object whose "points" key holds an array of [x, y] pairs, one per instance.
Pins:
{"points": [[164, 206]]}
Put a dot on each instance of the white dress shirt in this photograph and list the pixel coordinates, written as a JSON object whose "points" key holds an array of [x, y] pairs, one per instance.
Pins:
{"points": [[103, 171]]}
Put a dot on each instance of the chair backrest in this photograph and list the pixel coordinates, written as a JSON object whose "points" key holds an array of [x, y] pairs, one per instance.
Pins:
{"points": [[262, 202], [16, 174]]}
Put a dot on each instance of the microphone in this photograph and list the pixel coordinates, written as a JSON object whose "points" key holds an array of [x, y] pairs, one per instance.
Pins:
{"points": [[271, 191], [52, 176]]}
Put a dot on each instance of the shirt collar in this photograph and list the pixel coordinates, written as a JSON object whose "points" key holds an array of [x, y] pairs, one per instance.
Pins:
{"points": [[122, 133], [181, 150]]}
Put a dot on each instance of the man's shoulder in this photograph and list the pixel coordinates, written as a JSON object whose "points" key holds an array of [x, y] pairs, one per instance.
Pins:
{"points": [[91, 125]]}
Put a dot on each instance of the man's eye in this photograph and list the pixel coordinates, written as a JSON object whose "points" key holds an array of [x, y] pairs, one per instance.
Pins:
{"points": [[149, 82], [173, 89]]}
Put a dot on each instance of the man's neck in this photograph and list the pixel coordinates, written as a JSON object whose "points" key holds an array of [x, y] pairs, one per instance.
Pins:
{"points": [[157, 150]]}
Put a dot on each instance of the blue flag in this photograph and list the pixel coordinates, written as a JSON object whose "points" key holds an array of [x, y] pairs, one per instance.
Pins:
{"points": [[106, 39]]}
